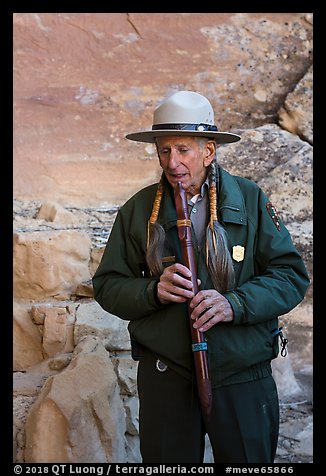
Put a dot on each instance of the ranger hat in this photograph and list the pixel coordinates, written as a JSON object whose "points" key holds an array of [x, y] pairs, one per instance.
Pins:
{"points": [[184, 113]]}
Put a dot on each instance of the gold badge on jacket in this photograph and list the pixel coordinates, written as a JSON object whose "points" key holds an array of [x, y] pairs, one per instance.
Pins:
{"points": [[238, 253]]}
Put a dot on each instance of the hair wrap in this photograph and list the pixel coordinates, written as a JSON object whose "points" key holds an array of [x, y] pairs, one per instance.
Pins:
{"points": [[156, 208]]}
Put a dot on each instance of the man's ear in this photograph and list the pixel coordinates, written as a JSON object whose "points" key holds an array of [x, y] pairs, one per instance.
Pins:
{"points": [[209, 152]]}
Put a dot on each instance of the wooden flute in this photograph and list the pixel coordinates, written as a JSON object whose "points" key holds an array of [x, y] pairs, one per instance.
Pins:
{"points": [[199, 344]]}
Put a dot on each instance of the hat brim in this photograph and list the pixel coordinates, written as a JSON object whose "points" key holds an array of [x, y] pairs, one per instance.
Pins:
{"points": [[150, 136]]}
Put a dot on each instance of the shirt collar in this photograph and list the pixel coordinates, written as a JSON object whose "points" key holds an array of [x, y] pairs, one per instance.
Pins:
{"points": [[201, 194]]}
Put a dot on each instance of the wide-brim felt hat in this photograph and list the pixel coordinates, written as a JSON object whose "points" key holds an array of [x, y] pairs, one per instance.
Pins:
{"points": [[184, 113]]}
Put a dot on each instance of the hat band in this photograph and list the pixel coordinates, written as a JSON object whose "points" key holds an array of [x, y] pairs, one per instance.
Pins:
{"points": [[185, 127]]}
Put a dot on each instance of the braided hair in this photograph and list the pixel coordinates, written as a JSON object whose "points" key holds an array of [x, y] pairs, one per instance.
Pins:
{"points": [[218, 258], [155, 235]]}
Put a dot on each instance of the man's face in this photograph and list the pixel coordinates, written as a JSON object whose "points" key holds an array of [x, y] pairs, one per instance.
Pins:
{"points": [[185, 159]]}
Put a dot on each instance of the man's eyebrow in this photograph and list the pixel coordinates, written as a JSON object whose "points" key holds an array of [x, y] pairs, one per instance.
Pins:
{"points": [[181, 144]]}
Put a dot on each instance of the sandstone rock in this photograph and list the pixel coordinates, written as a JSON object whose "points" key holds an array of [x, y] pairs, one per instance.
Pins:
{"points": [[27, 340], [85, 289], [131, 405], [91, 319], [21, 405], [28, 384], [96, 256], [132, 449], [58, 333], [286, 382], [50, 264], [269, 155], [52, 211], [126, 370], [296, 115], [60, 361], [289, 185], [77, 415], [69, 140]]}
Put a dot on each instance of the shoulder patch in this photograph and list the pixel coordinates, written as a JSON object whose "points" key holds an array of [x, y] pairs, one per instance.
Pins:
{"points": [[273, 214]]}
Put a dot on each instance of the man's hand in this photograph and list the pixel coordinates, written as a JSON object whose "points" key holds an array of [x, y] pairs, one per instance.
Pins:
{"points": [[209, 308], [175, 284]]}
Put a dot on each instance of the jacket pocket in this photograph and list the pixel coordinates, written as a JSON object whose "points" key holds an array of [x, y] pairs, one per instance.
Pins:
{"points": [[232, 349]]}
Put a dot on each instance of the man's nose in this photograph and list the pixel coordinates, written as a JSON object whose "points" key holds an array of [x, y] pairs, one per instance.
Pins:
{"points": [[173, 160]]}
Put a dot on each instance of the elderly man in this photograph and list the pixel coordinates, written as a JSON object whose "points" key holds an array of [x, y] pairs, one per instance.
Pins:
{"points": [[249, 273]]}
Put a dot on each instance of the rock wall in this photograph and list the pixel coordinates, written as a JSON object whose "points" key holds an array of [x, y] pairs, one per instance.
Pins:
{"points": [[81, 82]]}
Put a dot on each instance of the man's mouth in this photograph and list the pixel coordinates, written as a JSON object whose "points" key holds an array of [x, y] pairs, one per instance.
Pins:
{"points": [[177, 176]]}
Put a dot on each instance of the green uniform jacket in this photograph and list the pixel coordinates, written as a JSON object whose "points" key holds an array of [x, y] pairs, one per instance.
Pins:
{"points": [[270, 281]]}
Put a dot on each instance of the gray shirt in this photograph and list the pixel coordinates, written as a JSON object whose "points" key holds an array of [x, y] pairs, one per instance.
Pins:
{"points": [[198, 210]]}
